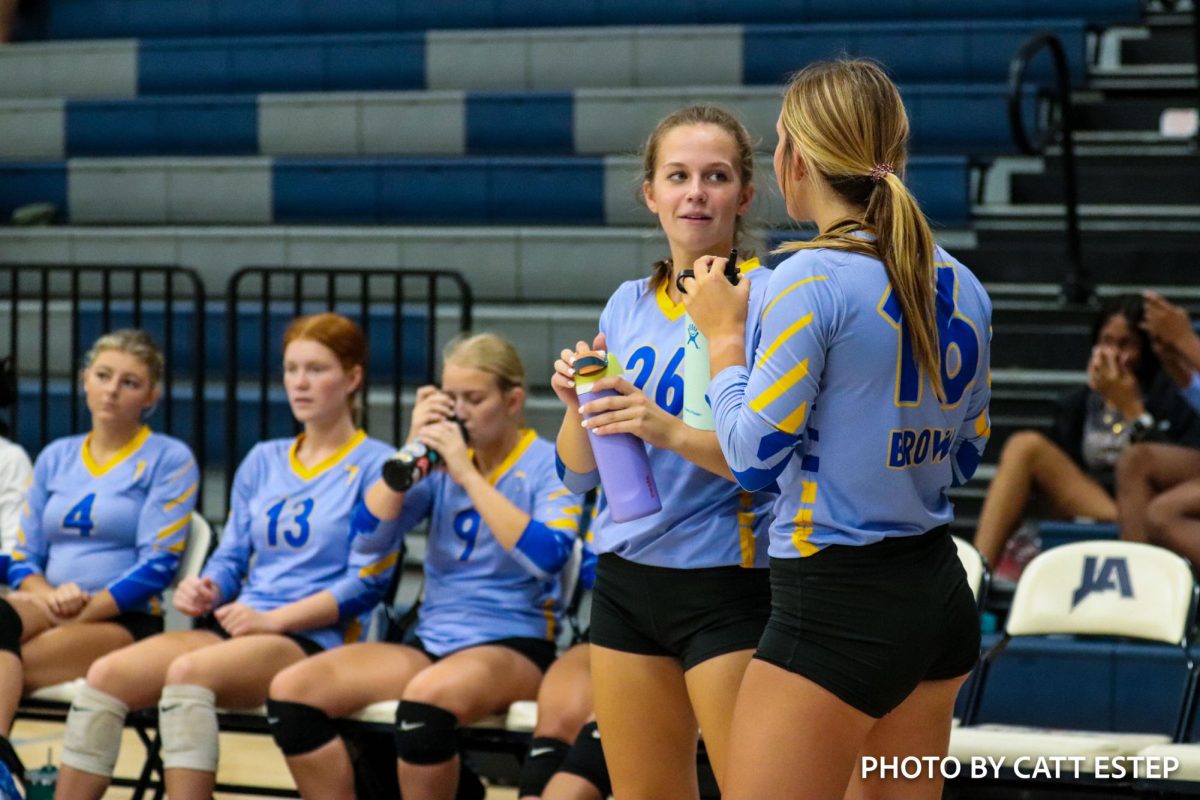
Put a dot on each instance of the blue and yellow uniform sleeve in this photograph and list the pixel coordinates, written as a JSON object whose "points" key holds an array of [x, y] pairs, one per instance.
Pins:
{"points": [[972, 436], [228, 565], [31, 550], [760, 412], [162, 530], [545, 544], [374, 551]]}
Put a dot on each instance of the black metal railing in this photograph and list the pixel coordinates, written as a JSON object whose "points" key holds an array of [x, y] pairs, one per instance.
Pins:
{"points": [[398, 311], [1059, 130], [56, 313]]}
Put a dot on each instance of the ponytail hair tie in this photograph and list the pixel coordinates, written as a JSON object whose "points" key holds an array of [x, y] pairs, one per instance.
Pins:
{"points": [[880, 171]]}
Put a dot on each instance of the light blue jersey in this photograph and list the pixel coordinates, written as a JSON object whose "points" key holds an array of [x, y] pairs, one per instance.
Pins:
{"points": [[120, 526], [837, 411], [294, 531], [706, 520], [475, 590]]}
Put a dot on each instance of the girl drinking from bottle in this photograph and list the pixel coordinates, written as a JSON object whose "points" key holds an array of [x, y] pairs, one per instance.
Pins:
{"points": [[501, 527], [681, 596], [867, 400]]}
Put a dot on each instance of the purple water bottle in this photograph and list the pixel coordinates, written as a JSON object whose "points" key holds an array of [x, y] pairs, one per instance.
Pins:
{"points": [[621, 457]]}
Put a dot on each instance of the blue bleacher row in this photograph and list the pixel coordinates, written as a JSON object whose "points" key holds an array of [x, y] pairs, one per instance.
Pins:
{"points": [[583, 122], [468, 190], [566, 59], [75, 19]]}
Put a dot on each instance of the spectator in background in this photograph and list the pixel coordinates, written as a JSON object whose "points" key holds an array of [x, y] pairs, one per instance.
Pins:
{"points": [[8, 17], [1158, 496], [15, 474], [1071, 468]]}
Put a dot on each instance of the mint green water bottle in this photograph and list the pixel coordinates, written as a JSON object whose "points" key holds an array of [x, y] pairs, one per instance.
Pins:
{"points": [[40, 782]]}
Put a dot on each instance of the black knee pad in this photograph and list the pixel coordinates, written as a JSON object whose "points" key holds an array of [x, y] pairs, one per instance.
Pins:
{"points": [[586, 760], [299, 728], [11, 629], [544, 758], [425, 734]]}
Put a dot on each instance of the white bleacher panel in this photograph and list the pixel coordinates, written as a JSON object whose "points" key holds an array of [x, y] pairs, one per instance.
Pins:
{"points": [[972, 563], [69, 69], [716, 51], [577, 58], [476, 60], [170, 190], [1104, 588], [32, 129], [585, 263], [487, 257], [362, 123], [362, 248], [433, 123], [619, 120]]}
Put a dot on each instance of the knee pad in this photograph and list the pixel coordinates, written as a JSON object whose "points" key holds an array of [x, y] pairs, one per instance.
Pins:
{"points": [[544, 758], [92, 737], [586, 759], [11, 629], [187, 722], [299, 728], [425, 734]]}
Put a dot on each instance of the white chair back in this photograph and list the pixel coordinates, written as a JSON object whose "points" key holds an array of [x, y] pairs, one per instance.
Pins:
{"points": [[972, 561], [1105, 588], [199, 538]]}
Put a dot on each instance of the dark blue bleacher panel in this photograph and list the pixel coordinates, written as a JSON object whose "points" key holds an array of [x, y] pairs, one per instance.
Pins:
{"points": [[912, 52], [1122, 687], [158, 126], [520, 122], [282, 63], [32, 182], [474, 191], [88, 19]]}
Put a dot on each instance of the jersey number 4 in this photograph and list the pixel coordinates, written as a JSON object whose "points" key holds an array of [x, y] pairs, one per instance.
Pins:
{"points": [[958, 343], [80, 517]]}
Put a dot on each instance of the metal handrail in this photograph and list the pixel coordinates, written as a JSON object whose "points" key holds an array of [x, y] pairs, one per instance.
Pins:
{"points": [[1076, 286]]}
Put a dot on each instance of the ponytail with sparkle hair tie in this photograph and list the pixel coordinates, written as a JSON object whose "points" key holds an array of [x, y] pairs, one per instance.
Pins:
{"points": [[880, 171]]}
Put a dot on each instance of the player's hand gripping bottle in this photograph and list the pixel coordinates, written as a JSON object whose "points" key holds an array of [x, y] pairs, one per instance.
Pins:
{"points": [[620, 457]]}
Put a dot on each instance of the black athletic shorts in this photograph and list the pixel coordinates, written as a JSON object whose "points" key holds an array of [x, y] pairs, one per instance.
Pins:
{"points": [[541, 652], [870, 623], [140, 624], [209, 623], [689, 614]]}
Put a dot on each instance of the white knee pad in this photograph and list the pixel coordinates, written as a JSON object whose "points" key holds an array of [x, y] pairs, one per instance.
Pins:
{"points": [[187, 721], [92, 737]]}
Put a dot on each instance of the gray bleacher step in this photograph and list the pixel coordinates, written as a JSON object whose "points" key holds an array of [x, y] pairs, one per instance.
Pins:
{"points": [[1116, 110], [1122, 214], [1107, 178]]}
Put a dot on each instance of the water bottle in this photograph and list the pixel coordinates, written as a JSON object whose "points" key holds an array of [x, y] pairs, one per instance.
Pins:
{"points": [[413, 462], [697, 411], [40, 782], [621, 457]]}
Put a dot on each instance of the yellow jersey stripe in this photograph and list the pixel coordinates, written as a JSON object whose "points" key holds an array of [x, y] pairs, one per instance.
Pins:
{"points": [[564, 524], [379, 567], [808, 492], [785, 382], [174, 527], [191, 490], [795, 285], [792, 330], [804, 530], [792, 422], [670, 309], [558, 494]]}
